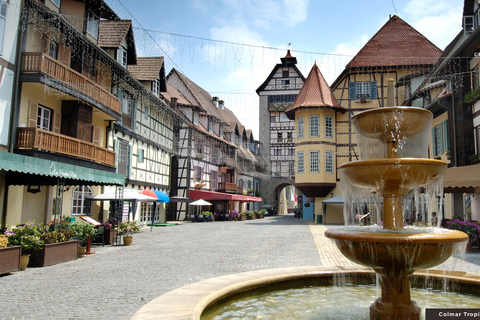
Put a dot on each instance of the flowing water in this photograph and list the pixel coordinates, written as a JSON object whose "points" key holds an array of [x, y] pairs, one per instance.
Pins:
{"points": [[349, 302]]}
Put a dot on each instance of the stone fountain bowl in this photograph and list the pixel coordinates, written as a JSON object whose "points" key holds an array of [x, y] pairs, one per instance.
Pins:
{"points": [[397, 251], [404, 129], [393, 175]]}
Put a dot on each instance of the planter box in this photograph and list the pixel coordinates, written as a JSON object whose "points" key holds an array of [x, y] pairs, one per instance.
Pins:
{"points": [[242, 218], [108, 236], [10, 259], [54, 253]]}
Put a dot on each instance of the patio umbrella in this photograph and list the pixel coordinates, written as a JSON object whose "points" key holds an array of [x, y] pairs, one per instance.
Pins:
{"points": [[128, 195], [200, 203], [161, 197]]}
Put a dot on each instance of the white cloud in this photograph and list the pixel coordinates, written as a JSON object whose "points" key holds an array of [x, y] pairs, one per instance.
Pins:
{"points": [[439, 21]]}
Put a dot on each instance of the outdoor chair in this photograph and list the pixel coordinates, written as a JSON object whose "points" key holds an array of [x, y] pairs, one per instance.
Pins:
{"points": [[99, 236]]}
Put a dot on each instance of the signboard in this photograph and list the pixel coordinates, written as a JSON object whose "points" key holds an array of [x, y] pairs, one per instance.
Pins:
{"points": [[90, 220]]}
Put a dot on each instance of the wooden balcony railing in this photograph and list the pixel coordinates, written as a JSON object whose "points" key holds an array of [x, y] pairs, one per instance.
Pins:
{"points": [[39, 62], [34, 138], [226, 186]]}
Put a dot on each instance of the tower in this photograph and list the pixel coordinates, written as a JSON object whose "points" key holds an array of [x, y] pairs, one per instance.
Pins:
{"points": [[277, 133]]}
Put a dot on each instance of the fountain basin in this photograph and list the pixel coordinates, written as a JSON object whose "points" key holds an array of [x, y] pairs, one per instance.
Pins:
{"points": [[399, 252], [393, 175], [189, 302]]}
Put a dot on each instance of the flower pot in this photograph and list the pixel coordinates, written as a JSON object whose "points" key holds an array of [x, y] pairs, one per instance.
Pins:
{"points": [[24, 259], [81, 251], [54, 253], [10, 259], [127, 240]]}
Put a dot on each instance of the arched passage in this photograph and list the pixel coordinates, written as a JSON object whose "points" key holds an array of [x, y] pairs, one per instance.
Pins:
{"points": [[286, 198]]}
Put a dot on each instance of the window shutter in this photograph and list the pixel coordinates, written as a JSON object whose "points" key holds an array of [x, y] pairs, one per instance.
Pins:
{"points": [[116, 148], [57, 120], [129, 161], [32, 114], [434, 142], [373, 90], [352, 91], [446, 136], [134, 115], [140, 155], [45, 43], [120, 96], [96, 136], [440, 145]]}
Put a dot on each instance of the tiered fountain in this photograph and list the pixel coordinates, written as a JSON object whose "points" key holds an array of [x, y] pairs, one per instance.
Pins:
{"points": [[393, 144]]}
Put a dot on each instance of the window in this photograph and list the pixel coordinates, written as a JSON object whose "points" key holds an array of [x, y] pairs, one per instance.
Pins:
{"points": [[214, 180], [128, 110], [3, 19], [328, 127], [56, 2], [291, 167], [314, 126], [44, 117], [146, 211], [300, 127], [300, 162], [279, 137], [285, 82], [122, 56], [210, 125], [79, 205], [53, 49], [289, 136], [468, 24], [314, 161], [328, 161], [285, 73], [440, 138], [199, 148], [362, 90], [197, 173], [92, 24], [272, 119], [123, 157], [156, 87]]}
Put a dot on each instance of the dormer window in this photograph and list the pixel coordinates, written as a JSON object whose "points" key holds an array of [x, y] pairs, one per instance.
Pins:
{"points": [[210, 126], [195, 118], [92, 24], [122, 56], [468, 25], [156, 87]]}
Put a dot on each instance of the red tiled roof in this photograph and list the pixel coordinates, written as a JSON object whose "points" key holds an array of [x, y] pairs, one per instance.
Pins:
{"points": [[395, 44], [315, 93]]}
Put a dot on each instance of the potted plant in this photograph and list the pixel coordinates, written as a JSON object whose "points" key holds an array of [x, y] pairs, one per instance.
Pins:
{"points": [[28, 237], [128, 228], [58, 246], [234, 215], [81, 232], [208, 216], [199, 185], [470, 228], [243, 216], [9, 256], [250, 215]]}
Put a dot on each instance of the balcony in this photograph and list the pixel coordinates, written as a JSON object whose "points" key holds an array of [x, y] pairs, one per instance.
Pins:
{"points": [[227, 187], [34, 138], [38, 62]]}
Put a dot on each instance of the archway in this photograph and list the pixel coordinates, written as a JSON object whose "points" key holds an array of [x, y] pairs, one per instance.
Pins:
{"points": [[286, 198]]}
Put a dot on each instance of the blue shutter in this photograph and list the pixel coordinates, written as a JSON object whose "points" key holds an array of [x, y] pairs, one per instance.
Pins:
{"points": [[373, 90], [446, 136], [352, 91], [434, 143], [440, 128], [134, 115], [129, 160], [140, 155], [116, 147]]}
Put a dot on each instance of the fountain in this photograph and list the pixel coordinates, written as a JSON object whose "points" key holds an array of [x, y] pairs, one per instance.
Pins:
{"points": [[393, 144]]}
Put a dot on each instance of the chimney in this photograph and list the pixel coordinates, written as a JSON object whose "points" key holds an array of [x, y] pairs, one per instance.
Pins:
{"points": [[215, 101], [222, 105], [173, 103]]}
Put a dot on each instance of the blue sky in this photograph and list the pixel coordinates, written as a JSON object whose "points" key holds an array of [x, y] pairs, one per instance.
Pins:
{"points": [[229, 47]]}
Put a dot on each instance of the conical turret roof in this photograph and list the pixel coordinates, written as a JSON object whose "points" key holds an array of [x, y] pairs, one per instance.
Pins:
{"points": [[315, 93]]}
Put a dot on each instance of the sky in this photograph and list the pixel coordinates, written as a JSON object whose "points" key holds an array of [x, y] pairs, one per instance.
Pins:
{"points": [[229, 47]]}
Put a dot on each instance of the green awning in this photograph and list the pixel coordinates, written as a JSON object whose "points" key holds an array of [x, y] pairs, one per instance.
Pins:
{"points": [[25, 170]]}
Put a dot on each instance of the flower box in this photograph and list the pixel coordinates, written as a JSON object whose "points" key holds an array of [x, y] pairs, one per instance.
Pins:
{"points": [[242, 218], [10, 259], [54, 253]]}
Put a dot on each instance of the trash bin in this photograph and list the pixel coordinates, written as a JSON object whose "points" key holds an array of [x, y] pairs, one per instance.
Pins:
{"points": [[319, 218]]}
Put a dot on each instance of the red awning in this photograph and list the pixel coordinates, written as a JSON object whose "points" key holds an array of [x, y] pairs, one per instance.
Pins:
{"points": [[211, 195]]}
